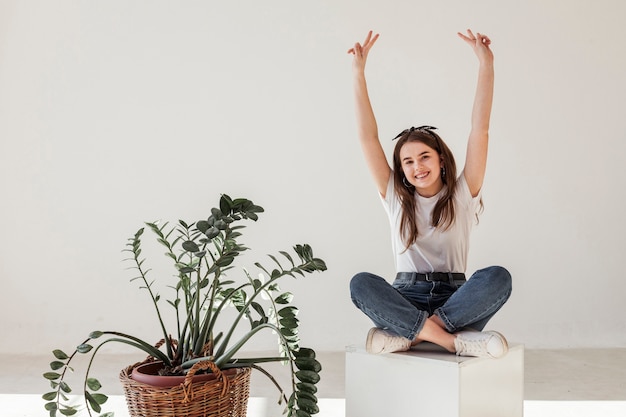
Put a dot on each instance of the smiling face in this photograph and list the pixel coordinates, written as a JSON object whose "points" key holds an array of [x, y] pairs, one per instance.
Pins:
{"points": [[421, 165]]}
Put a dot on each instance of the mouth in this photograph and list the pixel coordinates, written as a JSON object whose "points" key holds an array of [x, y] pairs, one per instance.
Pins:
{"points": [[421, 175]]}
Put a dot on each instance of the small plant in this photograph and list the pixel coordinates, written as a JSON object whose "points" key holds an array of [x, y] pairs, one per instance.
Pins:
{"points": [[203, 254]]}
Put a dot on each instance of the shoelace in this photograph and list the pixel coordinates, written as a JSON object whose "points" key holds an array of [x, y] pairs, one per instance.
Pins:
{"points": [[474, 347], [396, 343]]}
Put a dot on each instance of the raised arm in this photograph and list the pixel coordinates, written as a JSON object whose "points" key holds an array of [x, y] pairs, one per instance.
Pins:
{"points": [[477, 145], [366, 122]]}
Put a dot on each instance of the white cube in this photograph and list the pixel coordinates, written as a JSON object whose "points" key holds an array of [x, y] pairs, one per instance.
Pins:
{"points": [[427, 381]]}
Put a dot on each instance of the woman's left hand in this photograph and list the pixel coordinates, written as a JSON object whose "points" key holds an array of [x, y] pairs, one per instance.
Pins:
{"points": [[480, 44]]}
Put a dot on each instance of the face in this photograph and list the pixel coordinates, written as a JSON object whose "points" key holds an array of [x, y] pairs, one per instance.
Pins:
{"points": [[421, 165]]}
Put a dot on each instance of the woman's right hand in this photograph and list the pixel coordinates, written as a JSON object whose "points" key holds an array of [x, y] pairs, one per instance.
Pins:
{"points": [[360, 51]]}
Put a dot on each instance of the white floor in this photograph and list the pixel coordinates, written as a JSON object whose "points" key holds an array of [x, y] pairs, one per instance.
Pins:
{"points": [[558, 383]]}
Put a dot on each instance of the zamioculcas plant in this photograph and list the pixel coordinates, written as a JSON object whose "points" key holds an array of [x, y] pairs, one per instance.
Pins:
{"points": [[204, 284]]}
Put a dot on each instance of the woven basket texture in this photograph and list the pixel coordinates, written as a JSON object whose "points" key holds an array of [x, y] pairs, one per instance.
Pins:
{"points": [[225, 396]]}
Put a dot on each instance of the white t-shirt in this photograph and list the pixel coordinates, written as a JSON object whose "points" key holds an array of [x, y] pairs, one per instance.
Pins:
{"points": [[436, 250]]}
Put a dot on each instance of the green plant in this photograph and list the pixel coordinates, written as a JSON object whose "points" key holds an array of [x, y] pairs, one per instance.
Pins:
{"points": [[203, 253]]}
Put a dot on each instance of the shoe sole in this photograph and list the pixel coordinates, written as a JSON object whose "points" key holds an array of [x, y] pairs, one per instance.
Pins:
{"points": [[368, 341], [505, 343]]}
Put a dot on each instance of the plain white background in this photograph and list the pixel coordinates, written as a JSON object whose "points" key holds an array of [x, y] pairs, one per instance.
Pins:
{"points": [[118, 112]]}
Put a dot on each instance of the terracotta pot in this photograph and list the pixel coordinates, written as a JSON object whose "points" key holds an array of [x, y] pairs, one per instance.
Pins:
{"points": [[148, 373]]}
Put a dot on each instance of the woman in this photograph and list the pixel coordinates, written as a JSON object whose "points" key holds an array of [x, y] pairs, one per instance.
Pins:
{"points": [[431, 211]]}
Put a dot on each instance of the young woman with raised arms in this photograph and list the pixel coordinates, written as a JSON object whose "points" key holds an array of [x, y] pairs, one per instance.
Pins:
{"points": [[431, 210]]}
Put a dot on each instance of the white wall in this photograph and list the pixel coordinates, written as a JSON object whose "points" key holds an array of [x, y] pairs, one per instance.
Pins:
{"points": [[112, 113]]}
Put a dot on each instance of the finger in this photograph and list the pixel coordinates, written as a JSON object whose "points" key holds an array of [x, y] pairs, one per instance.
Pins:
{"points": [[373, 40], [368, 37]]}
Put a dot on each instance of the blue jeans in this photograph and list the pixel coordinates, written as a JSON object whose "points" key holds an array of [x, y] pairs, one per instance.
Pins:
{"points": [[403, 307]]}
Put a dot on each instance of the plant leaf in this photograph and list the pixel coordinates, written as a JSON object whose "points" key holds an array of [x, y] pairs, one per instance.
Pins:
{"points": [[93, 384], [49, 396], [191, 246], [307, 405], [305, 386], [56, 365], [289, 311], [308, 364], [51, 406], [59, 354], [84, 348], [304, 353], [284, 298], [308, 376], [51, 375], [92, 402]]}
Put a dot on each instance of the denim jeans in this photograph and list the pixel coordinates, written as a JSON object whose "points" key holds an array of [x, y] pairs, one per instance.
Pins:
{"points": [[403, 307]]}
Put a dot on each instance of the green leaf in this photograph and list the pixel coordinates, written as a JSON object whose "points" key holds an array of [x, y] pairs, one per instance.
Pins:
{"points": [[203, 226], [288, 256], [64, 387], [69, 411], [308, 387], [225, 204], [51, 375], [92, 402], [191, 246], [100, 398], [319, 264], [308, 376], [288, 333], [93, 384], [56, 365], [307, 395], [212, 233], [289, 322], [59, 354], [284, 298], [225, 261], [49, 396], [96, 334], [259, 309], [51, 406], [307, 405], [287, 312], [216, 213], [84, 348], [308, 364], [304, 353]]}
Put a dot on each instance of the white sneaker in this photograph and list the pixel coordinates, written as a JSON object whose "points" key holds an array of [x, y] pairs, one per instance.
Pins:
{"points": [[488, 344], [381, 341]]}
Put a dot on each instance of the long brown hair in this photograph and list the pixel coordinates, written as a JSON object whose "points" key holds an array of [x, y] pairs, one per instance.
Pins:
{"points": [[443, 213]]}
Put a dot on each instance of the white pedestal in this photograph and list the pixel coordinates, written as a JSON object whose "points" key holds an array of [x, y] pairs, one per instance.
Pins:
{"points": [[427, 381]]}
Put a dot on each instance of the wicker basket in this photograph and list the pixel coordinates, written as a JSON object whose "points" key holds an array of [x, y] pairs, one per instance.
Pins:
{"points": [[225, 396]]}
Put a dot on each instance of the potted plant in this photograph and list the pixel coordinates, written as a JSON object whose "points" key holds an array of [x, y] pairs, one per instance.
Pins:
{"points": [[203, 255]]}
